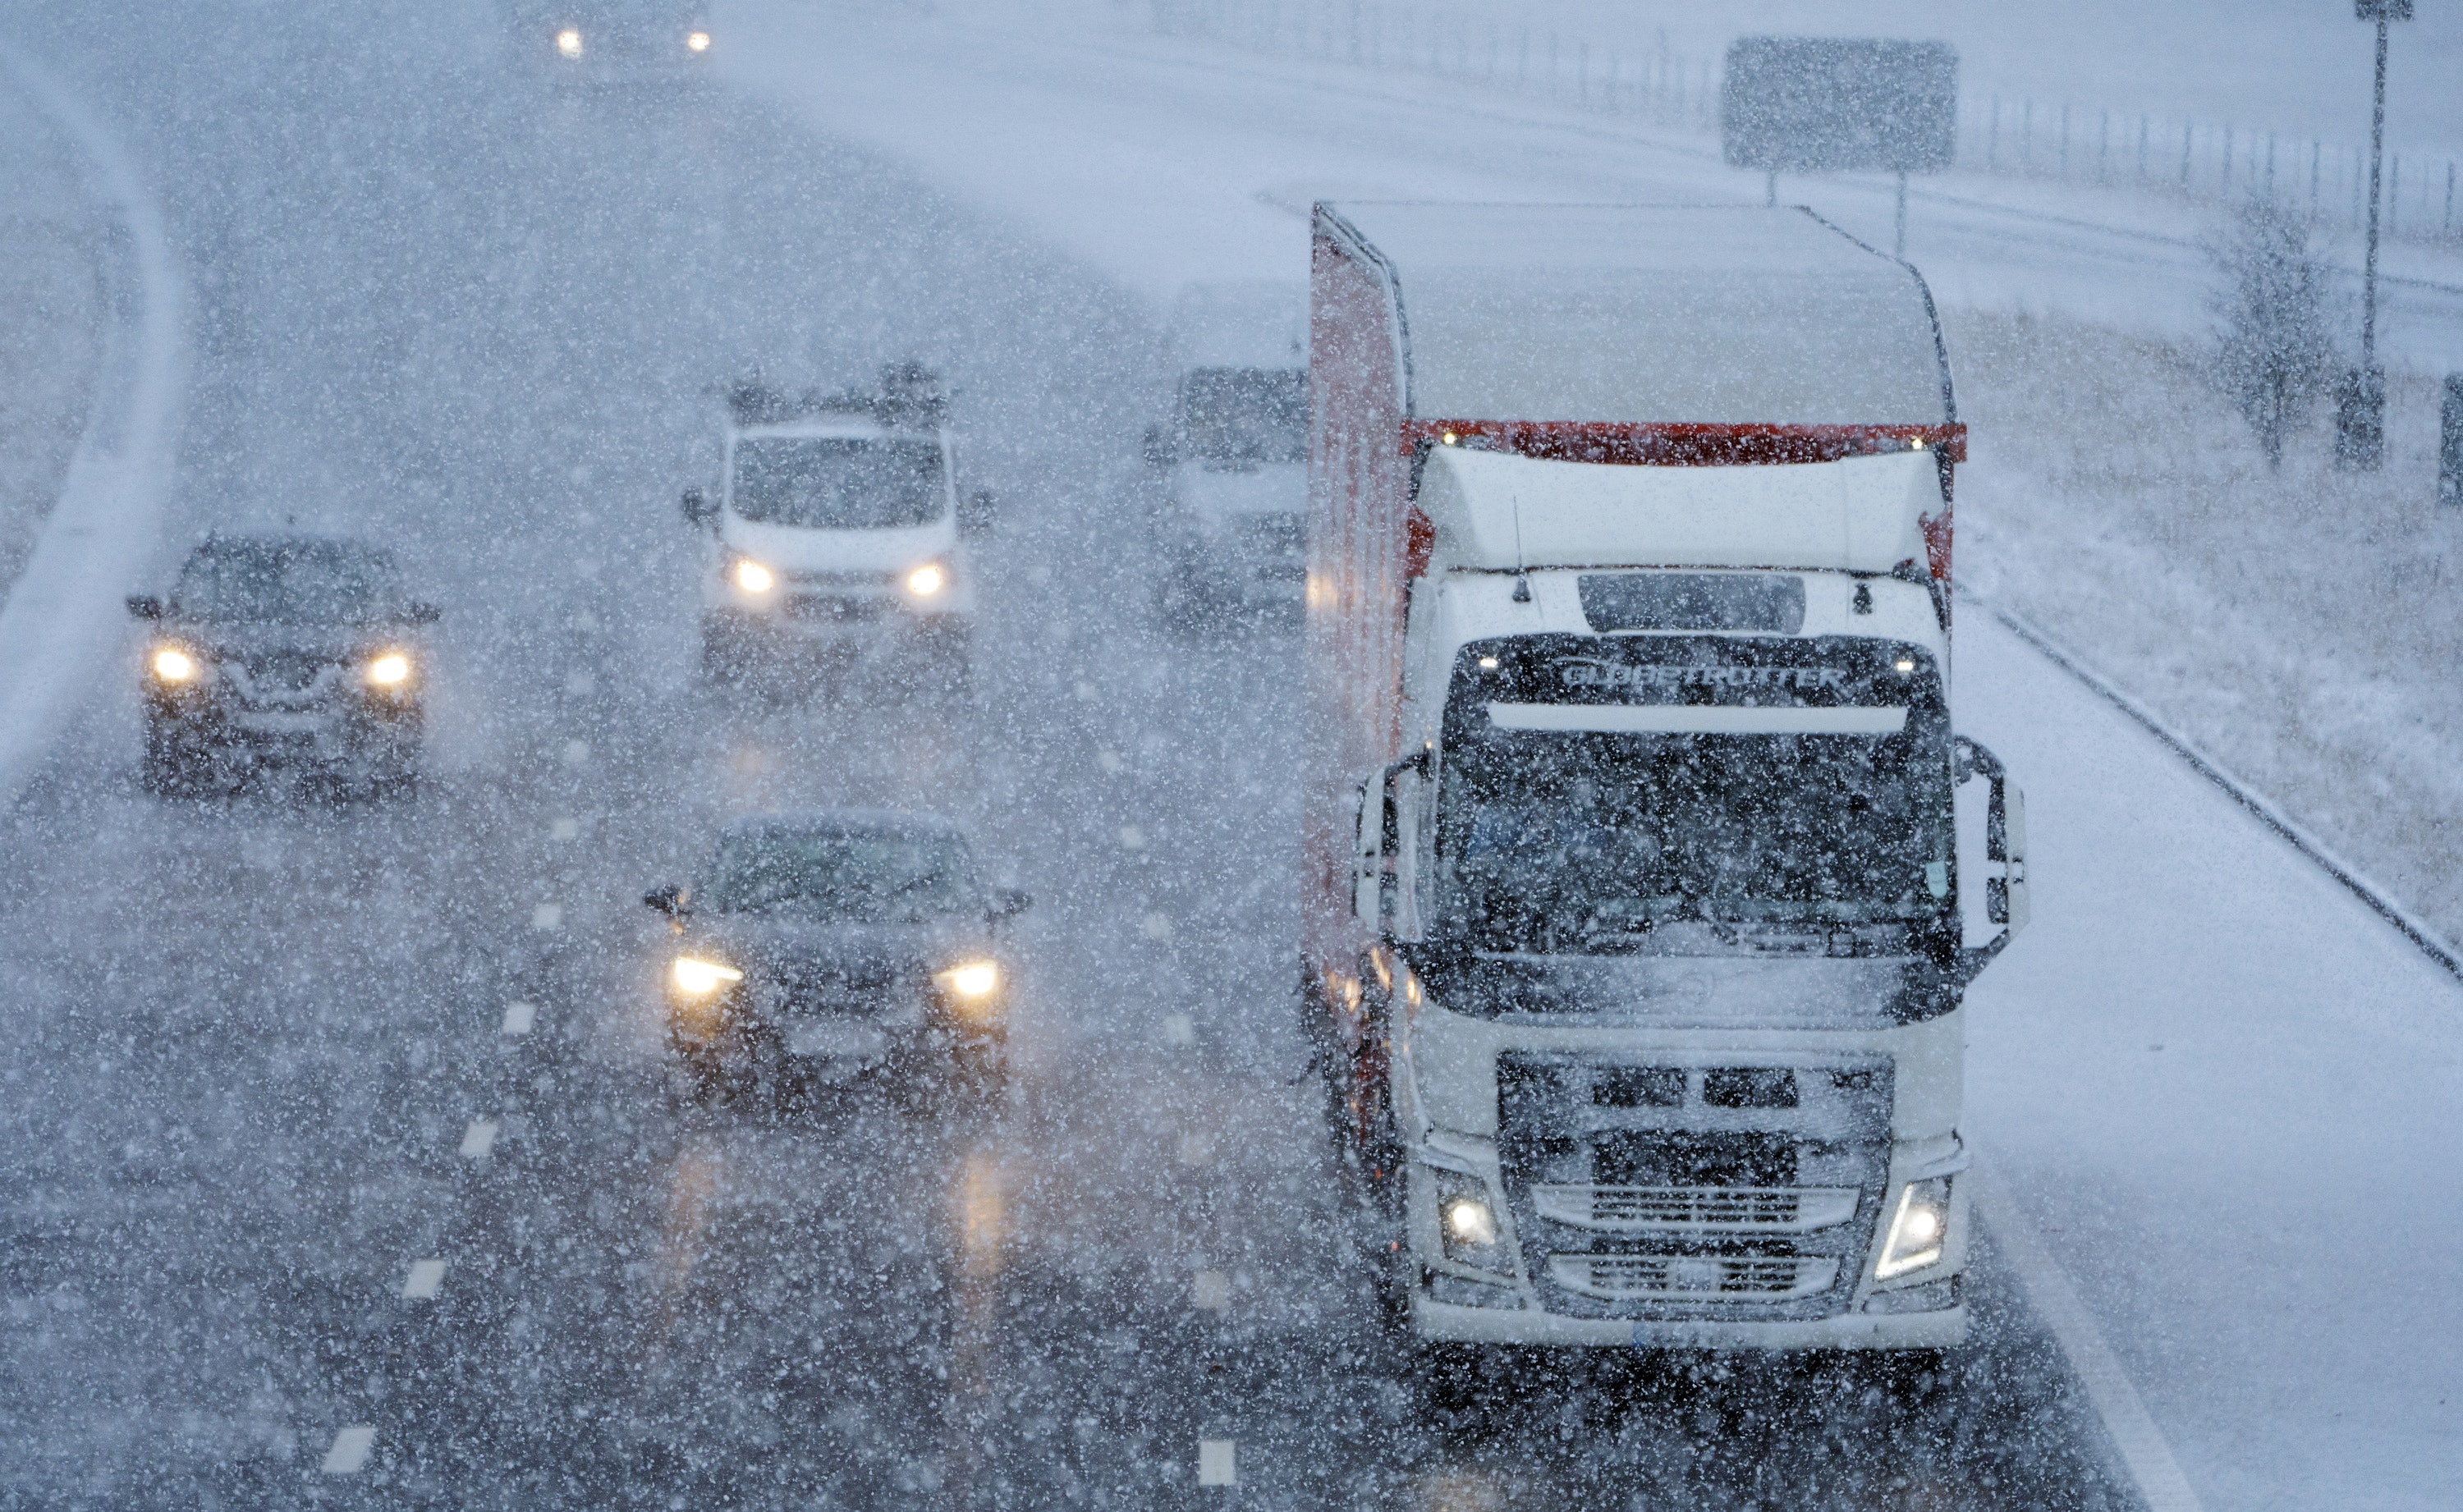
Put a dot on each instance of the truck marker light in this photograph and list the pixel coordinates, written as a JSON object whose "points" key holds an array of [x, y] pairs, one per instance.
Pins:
{"points": [[697, 41], [753, 577], [1449, 438], [701, 977], [173, 665], [926, 580], [568, 42], [1915, 443]]}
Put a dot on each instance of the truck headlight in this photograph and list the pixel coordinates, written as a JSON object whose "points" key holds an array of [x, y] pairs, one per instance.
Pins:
{"points": [[927, 580], [568, 42], [171, 664], [696, 978], [1919, 1224], [1467, 1223], [389, 671], [753, 577]]}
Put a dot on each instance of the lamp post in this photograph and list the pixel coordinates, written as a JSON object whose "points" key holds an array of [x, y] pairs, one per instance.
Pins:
{"points": [[2360, 399]]}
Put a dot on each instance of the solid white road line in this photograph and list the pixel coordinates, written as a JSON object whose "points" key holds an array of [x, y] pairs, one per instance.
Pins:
{"points": [[425, 1277], [564, 829], [518, 1018], [2141, 1444], [479, 1139], [1217, 1462], [1212, 1290], [548, 916], [350, 1450]]}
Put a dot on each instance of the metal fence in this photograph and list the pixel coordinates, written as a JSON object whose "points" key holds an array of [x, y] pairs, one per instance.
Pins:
{"points": [[2048, 140]]}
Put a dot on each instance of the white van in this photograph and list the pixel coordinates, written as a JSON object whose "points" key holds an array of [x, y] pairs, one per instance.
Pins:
{"points": [[1235, 453], [840, 530]]}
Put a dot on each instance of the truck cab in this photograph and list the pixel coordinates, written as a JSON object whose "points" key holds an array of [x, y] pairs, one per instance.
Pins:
{"points": [[1235, 454], [838, 530]]}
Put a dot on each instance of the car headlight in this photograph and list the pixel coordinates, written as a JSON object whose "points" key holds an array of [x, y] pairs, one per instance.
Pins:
{"points": [[753, 577], [973, 981], [697, 978], [568, 42], [171, 664], [927, 579], [697, 41], [1467, 1220], [1919, 1225], [389, 671]]}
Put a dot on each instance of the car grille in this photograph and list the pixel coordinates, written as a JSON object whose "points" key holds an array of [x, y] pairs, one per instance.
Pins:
{"points": [[858, 991], [838, 607], [1696, 1278], [1680, 1189], [1705, 1209], [281, 678]]}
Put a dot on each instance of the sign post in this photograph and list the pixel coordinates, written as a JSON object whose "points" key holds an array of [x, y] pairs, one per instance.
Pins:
{"points": [[2360, 399], [1806, 104]]}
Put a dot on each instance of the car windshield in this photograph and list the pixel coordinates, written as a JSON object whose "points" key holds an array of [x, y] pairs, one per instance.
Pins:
{"points": [[1245, 416], [288, 582], [837, 482], [862, 874], [1586, 798]]}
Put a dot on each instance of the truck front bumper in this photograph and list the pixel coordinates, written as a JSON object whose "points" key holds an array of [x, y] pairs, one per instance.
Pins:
{"points": [[1437, 1321]]}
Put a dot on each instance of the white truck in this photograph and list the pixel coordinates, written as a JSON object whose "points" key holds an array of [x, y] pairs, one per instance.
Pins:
{"points": [[1234, 453], [839, 531], [1642, 863]]}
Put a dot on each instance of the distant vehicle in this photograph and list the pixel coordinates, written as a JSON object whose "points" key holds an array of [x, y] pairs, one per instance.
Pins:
{"points": [[839, 527], [295, 651], [838, 940], [1645, 874], [606, 41], [1235, 452]]}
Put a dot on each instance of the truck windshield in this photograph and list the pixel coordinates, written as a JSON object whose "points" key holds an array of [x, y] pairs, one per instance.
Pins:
{"points": [[1244, 416], [300, 582], [861, 875], [1593, 790], [837, 482]]}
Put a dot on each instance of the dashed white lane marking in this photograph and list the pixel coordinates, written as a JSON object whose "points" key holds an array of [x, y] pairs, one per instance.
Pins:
{"points": [[1217, 1462], [575, 752], [479, 1139], [1132, 839], [519, 1017], [1109, 761], [1085, 691], [1212, 1290], [1196, 1148], [2143, 1450], [581, 684], [548, 916], [1155, 926], [1178, 1029], [424, 1278], [350, 1449], [564, 829]]}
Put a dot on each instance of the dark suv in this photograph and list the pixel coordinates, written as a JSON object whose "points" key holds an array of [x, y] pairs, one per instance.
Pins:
{"points": [[283, 650]]}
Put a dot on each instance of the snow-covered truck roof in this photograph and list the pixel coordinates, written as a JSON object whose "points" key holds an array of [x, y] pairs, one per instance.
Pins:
{"points": [[1658, 315]]}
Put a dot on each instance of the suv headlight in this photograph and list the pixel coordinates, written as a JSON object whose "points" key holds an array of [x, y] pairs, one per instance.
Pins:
{"points": [[696, 978], [390, 670], [1919, 1225], [751, 576], [171, 664]]}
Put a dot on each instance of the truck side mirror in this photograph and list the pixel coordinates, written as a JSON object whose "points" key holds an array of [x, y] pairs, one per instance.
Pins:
{"points": [[2004, 868], [977, 511], [145, 606], [1386, 849], [697, 508]]}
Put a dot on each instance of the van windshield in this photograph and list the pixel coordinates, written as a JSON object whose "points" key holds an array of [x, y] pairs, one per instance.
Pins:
{"points": [[1595, 790], [1244, 416], [837, 482]]}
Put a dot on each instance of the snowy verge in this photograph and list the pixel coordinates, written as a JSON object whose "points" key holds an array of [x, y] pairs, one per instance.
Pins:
{"points": [[62, 616]]}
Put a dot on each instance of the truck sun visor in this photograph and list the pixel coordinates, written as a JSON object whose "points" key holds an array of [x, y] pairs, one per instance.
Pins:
{"points": [[1697, 719], [1763, 602]]}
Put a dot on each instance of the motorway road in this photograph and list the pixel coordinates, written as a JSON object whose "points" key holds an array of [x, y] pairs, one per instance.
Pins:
{"points": [[439, 301]]}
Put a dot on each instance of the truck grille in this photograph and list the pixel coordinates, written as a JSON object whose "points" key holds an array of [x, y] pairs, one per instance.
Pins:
{"points": [[1704, 1209], [1697, 1278], [1705, 1186]]}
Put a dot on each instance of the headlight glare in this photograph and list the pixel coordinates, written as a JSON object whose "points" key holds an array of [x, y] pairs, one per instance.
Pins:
{"points": [[172, 665], [926, 580], [390, 670], [1467, 1220], [1919, 1224], [753, 577], [568, 42], [975, 980], [698, 977], [697, 41]]}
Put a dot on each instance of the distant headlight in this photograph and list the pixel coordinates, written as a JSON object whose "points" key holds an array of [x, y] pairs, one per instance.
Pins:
{"points": [[171, 664], [926, 580], [753, 577], [975, 980], [568, 42], [697, 41], [390, 670], [697, 978]]}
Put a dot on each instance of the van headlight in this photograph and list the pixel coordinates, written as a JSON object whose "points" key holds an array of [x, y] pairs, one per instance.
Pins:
{"points": [[696, 41], [1919, 1226], [568, 42], [171, 664], [696, 978], [753, 577], [390, 670], [927, 580]]}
